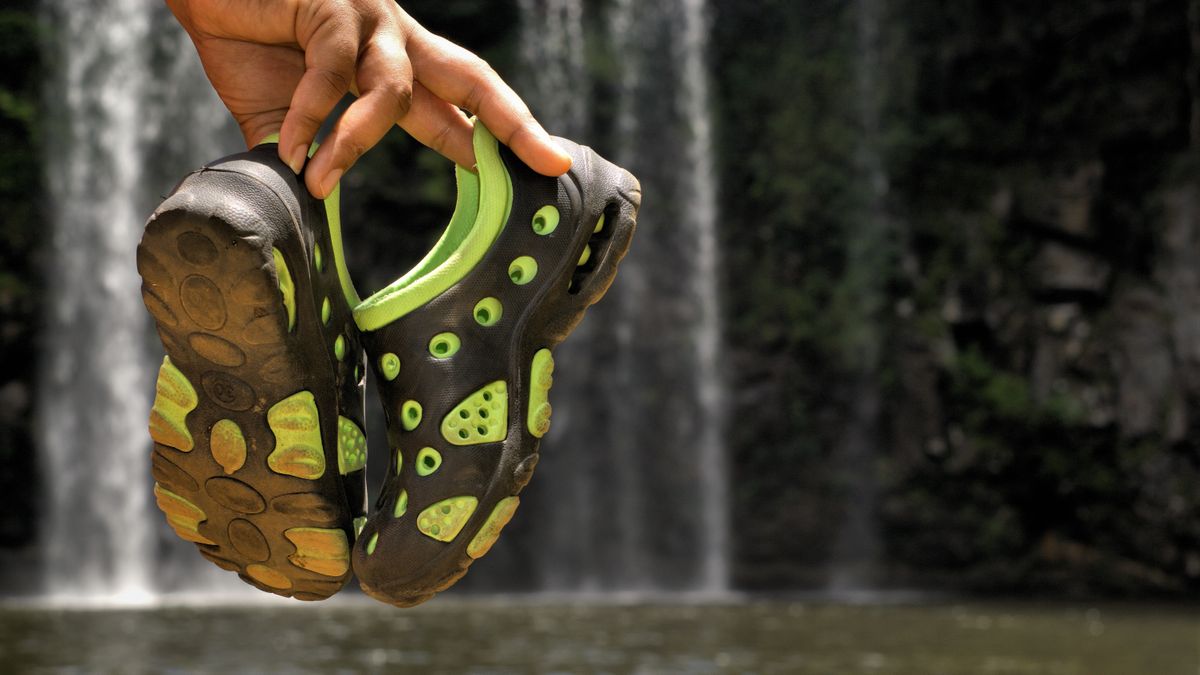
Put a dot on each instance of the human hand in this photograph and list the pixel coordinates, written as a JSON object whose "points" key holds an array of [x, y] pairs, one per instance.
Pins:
{"points": [[281, 66]]}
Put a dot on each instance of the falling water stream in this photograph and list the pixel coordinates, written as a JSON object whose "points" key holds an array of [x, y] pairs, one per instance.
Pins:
{"points": [[856, 551], [129, 105], [632, 485]]}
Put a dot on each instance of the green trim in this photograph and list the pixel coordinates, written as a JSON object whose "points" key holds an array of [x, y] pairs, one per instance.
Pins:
{"points": [[484, 202], [445, 519], [541, 378], [481, 417], [287, 287], [296, 425], [333, 216], [401, 505], [174, 398], [352, 446], [487, 535]]}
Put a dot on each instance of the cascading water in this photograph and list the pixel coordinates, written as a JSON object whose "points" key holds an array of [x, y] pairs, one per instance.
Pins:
{"points": [[632, 487], [124, 77], [856, 550]]}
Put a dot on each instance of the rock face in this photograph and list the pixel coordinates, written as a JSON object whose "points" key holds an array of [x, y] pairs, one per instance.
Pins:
{"points": [[1039, 327]]}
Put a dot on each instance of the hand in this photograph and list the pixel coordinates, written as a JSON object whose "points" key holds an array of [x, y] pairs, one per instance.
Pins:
{"points": [[281, 66]]}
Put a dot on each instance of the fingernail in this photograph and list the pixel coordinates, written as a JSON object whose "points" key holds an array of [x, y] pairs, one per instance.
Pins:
{"points": [[296, 159], [557, 149], [330, 182]]}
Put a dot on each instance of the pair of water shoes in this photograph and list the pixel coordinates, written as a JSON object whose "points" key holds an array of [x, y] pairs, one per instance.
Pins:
{"points": [[259, 451]]}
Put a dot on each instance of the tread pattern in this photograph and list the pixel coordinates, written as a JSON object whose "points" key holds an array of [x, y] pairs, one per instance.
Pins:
{"points": [[242, 472]]}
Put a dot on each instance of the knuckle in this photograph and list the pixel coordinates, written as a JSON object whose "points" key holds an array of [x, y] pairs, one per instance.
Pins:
{"points": [[441, 140], [483, 80], [401, 95], [335, 80], [353, 148], [308, 118]]}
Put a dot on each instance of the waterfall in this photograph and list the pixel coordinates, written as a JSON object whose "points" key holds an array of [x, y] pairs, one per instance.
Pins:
{"points": [[632, 486], [856, 550], [124, 81]]}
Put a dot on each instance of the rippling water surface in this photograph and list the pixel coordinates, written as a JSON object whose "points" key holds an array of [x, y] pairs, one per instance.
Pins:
{"points": [[520, 636]]}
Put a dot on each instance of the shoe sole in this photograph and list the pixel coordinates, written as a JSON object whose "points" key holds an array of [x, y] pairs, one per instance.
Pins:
{"points": [[253, 455]]}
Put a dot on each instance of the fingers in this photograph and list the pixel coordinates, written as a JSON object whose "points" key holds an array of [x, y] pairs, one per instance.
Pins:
{"points": [[330, 55], [384, 79], [439, 126], [459, 77]]}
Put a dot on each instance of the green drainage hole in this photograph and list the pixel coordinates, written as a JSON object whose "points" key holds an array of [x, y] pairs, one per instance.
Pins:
{"points": [[428, 461], [444, 345], [410, 415], [389, 365], [522, 270], [545, 220], [488, 311]]}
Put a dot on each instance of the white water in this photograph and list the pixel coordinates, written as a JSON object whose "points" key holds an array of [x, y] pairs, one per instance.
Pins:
{"points": [[857, 548], [694, 98], [632, 489], [124, 80]]}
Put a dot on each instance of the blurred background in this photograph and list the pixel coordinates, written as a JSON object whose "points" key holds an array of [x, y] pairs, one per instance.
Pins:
{"points": [[901, 375]]}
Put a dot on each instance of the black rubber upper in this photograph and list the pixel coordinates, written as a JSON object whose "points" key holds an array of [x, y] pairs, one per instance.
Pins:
{"points": [[408, 567]]}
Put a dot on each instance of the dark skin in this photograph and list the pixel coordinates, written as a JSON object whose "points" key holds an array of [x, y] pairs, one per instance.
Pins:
{"points": [[281, 66]]}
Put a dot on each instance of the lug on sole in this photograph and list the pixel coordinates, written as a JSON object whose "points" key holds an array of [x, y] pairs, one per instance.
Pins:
{"points": [[242, 458]]}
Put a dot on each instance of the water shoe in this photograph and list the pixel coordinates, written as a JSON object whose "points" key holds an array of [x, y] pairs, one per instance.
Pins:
{"points": [[259, 453], [461, 350]]}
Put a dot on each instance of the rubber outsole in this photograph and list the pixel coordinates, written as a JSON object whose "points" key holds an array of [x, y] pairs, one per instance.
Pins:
{"points": [[258, 455]]}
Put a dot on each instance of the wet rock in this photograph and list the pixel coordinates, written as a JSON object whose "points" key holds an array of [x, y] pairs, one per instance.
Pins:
{"points": [[1143, 362], [1063, 269]]}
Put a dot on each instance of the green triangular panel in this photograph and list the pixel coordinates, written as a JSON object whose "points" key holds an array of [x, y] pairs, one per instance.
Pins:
{"points": [[481, 418]]}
